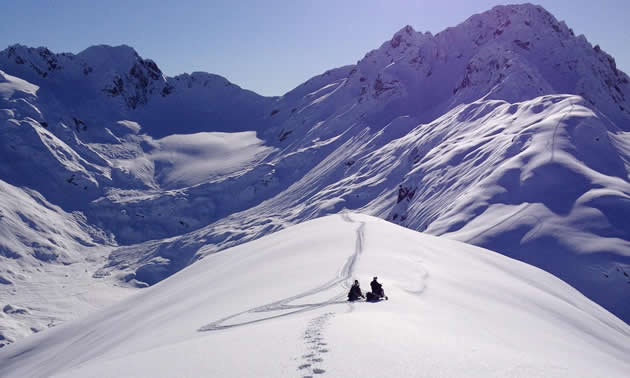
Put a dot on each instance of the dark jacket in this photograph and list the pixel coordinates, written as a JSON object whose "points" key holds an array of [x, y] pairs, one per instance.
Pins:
{"points": [[377, 288], [355, 293]]}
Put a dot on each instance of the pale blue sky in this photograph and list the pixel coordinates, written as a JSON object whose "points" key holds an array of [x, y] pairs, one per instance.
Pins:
{"points": [[271, 46]]}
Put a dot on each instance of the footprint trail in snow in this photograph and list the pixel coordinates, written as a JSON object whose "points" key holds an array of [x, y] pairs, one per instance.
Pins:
{"points": [[315, 345], [284, 307]]}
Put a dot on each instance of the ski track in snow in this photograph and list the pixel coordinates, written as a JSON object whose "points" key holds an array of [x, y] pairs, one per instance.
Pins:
{"points": [[343, 280], [311, 362], [512, 216]]}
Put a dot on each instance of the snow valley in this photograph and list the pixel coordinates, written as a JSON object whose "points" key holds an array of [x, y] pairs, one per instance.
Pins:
{"points": [[506, 132]]}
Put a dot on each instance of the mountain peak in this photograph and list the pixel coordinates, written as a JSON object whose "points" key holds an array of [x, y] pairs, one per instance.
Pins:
{"points": [[39, 63], [517, 19], [510, 52], [101, 54]]}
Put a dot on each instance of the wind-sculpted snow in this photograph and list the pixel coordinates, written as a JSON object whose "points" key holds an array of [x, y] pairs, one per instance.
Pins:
{"points": [[506, 131], [478, 314]]}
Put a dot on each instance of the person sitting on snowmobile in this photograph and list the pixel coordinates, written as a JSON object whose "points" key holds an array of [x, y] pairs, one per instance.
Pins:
{"points": [[377, 289], [355, 292]]}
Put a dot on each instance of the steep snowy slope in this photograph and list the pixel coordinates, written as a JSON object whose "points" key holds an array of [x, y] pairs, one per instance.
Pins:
{"points": [[48, 259], [276, 307]]}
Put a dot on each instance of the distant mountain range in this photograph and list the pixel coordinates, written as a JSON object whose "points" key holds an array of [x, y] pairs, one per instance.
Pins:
{"points": [[507, 131]]}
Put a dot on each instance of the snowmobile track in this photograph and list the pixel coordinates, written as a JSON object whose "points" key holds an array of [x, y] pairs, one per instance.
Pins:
{"points": [[342, 280]]}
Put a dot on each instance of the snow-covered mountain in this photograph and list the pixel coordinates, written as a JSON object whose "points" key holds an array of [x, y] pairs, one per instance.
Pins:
{"points": [[507, 131], [275, 307]]}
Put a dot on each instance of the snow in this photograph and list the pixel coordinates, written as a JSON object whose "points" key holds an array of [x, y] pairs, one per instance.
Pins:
{"points": [[276, 307], [506, 131], [195, 158], [130, 125], [49, 257], [11, 86], [482, 173]]}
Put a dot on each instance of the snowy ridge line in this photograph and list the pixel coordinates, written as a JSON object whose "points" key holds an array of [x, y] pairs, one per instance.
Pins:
{"points": [[343, 279], [555, 131], [526, 207]]}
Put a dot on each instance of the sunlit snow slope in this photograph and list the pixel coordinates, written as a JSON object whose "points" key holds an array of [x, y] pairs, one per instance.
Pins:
{"points": [[507, 131], [275, 307]]}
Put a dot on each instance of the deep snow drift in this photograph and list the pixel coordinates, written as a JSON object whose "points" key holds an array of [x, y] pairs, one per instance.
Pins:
{"points": [[506, 131], [275, 307]]}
